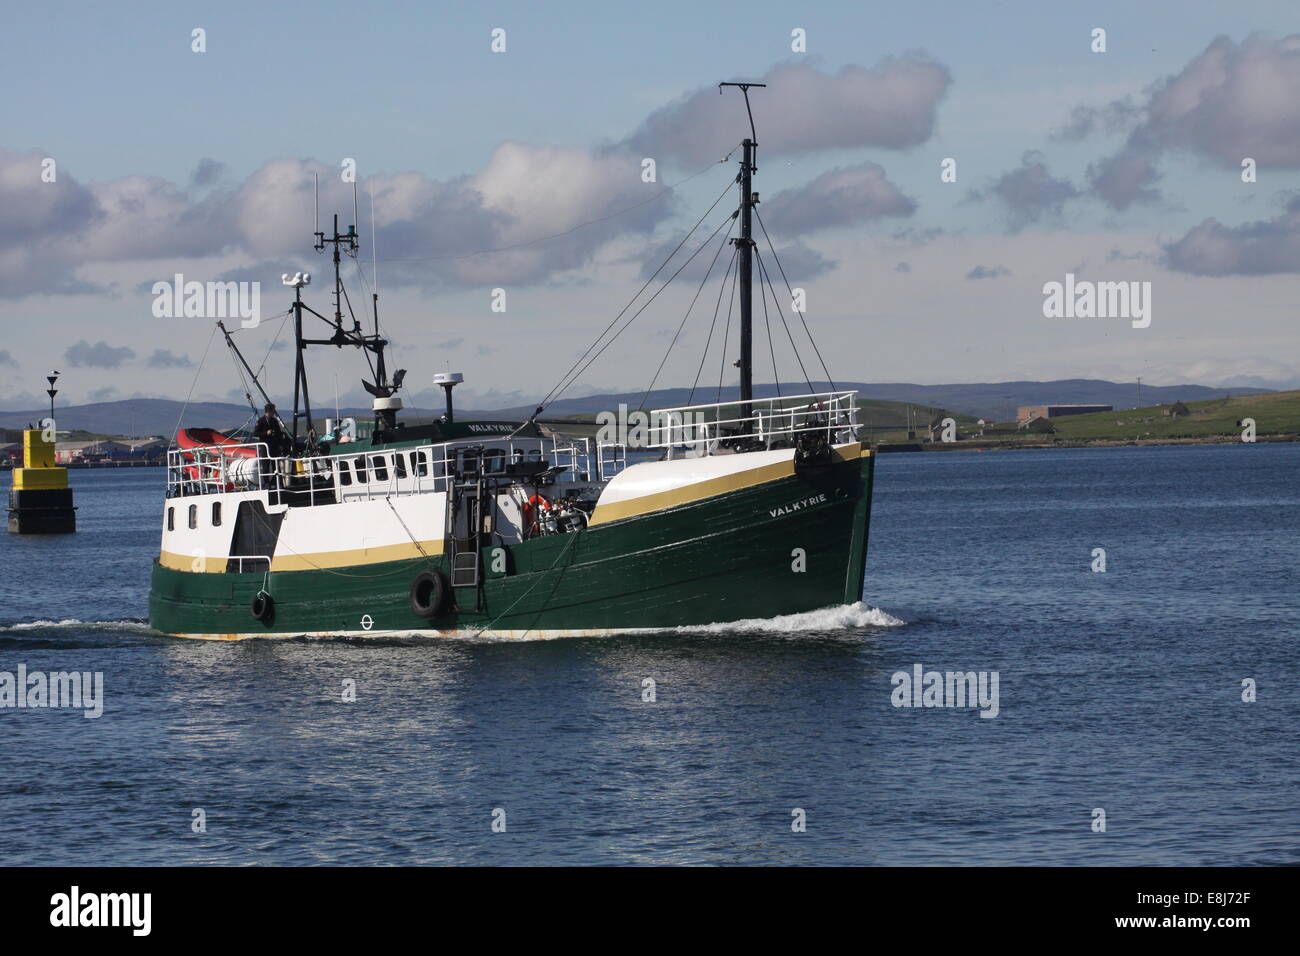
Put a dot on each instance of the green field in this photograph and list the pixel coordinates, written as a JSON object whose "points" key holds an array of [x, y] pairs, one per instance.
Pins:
{"points": [[1274, 414]]}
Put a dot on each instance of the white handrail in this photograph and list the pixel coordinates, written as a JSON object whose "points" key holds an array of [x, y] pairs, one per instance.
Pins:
{"points": [[767, 422], [759, 401]]}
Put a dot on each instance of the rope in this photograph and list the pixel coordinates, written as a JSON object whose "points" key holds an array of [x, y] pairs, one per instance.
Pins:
{"points": [[573, 535], [341, 574], [419, 547], [190, 394]]}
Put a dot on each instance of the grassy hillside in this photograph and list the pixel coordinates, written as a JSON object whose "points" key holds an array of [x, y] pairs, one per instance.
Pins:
{"points": [[1274, 413], [878, 414]]}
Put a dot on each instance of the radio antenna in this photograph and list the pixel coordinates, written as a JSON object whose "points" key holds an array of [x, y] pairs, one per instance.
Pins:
{"points": [[315, 177], [374, 252], [374, 261], [356, 220]]}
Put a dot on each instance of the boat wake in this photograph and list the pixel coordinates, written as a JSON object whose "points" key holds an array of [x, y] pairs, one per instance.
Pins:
{"points": [[838, 618], [126, 625], [843, 617]]}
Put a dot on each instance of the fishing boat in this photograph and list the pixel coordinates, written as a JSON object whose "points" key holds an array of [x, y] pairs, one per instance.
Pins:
{"points": [[711, 512]]}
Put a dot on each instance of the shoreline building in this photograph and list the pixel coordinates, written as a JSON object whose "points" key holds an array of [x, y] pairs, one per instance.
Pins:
{"points": [[1027, 413]]}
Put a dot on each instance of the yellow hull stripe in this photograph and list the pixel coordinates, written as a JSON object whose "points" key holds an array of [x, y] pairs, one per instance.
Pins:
{"points": [[358, 557], [711, 487]]}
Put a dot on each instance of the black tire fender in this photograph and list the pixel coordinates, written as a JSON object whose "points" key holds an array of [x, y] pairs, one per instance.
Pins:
{"points": [[428, 594], [262, 607]]}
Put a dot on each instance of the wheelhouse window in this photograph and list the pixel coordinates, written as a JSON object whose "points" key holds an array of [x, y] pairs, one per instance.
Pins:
{"points": [[345, 473], [360, 464], [399, 464], [380, 467]]}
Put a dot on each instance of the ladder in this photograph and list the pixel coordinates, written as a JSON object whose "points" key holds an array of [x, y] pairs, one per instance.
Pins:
{"points": [[466, 498]]}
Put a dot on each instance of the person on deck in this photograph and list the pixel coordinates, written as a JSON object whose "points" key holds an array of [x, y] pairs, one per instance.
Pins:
{"points": [[271, 430]]}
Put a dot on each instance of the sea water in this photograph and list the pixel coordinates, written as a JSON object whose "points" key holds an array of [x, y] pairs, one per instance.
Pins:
{"points": [[1147, 713]]}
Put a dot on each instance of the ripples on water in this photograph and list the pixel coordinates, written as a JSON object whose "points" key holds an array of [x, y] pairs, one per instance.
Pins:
{"points": [[1118, 690]]}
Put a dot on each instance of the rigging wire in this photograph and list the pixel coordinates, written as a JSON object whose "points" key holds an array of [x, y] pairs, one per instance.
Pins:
{"points": [[356, 327], [278, 332], [767, 322], [807, 331], [722, 288], [564, 380], [766, 278], [726, 239], [582, 225], [722, 368], [243, 379], [239, 369], [635, 315], [365, 285], [194, 382]]}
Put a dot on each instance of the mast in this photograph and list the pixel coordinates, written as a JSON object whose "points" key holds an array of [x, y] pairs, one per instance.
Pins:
{"points": [[745, 250], [745, 245], [301, 397], [300, 370], [383, 388]]}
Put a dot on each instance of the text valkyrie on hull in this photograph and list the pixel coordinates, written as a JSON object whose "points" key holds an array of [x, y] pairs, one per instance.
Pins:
{"points": [[726, 511]]}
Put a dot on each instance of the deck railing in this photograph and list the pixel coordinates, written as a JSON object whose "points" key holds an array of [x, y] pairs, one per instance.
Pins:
{"points": [[365, 471], [776, 422]]}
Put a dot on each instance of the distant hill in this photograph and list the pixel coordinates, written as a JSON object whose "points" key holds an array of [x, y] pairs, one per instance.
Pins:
{"points": [[994, 401], [158, 416], [139, 416]]}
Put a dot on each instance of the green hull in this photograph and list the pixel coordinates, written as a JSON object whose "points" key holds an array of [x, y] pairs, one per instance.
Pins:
{"points": [[725, 558]]}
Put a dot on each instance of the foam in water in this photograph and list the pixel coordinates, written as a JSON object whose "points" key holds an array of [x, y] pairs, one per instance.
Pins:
{"points": [[837, 618], [135, 627], [840, 617]]}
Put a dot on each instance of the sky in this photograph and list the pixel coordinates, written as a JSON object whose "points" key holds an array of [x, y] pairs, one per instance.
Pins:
{"points": [[127, 156]]}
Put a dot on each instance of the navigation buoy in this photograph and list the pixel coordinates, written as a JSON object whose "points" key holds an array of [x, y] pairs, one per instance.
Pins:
{"points": [[40, 501]]}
